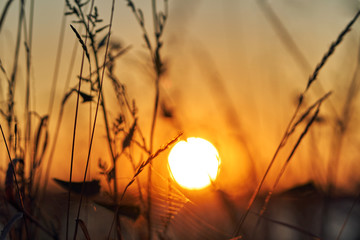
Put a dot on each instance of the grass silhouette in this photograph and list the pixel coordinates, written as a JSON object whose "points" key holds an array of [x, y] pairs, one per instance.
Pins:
{"points": [[132, 195]]}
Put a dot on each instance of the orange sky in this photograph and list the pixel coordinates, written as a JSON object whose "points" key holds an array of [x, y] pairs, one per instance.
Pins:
{"points": [[208, 43]]}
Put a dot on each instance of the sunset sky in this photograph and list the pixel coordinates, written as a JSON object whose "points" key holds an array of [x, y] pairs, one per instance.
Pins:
{"points": [[229, 76]]}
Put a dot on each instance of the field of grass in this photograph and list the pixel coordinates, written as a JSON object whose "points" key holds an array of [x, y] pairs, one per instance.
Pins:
{"points": [[93, 94]]}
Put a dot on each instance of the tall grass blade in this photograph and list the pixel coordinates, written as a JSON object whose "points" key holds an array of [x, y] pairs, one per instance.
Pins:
{"points": [[5, 10], [357, 199], [140, 169], [342, 127], [59, 120], [312, 78], [96, 114], [331, 50], [16, 181], [149, 160], [10, 224], [300, 138], [85, 52], [83, 228], [287, 225], [57, 62], [83, 44]]}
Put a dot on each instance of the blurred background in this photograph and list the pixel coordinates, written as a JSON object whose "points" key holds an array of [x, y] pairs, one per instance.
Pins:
{"points": [[234, 71]]}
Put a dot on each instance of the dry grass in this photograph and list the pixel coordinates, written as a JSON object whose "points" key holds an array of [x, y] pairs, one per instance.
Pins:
{"points": [[156, 208]]}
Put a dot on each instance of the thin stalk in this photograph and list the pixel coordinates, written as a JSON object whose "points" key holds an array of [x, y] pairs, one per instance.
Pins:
{"points": [[57, 62], [258, 188], [159, 22], [156, 60], [126, 109], [16, 181], [284, 35], [103, 106], [139, 170], [59, 120], [342, 127], [156, 105], [107, 128], [281, 173], [74, 132], [292, 227], [73, 149], [39, 225], [311, 79], [27, 97], [5, 10], [11, 90], [288, 41], [16, 139], [155, 18], [52, 95], [95, 118], [337, 141], [124, 50], [357, 199]]}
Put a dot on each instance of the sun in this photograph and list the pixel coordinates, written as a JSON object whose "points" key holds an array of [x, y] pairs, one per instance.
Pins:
{"points": [[194, 163]]}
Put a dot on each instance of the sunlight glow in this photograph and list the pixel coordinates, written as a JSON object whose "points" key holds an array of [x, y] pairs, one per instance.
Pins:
{"points": [[194, 163]]}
